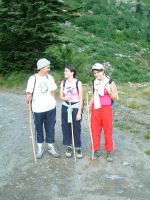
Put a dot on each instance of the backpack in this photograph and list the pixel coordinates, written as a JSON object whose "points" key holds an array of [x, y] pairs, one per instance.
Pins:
{"points": [[112, 102]]}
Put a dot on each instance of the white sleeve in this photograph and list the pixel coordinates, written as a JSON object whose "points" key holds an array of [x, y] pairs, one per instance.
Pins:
{"points": [[53, 85], [30, 84]]}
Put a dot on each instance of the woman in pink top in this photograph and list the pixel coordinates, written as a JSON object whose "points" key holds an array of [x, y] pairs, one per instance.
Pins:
{"points": [[71, 91], [104, 92]]}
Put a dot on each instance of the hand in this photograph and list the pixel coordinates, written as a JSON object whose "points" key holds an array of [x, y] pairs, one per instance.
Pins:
{"points": [[29, 97], [78, 117], [67, 98]]}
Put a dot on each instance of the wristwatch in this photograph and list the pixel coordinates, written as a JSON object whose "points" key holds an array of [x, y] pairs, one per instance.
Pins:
{"points": [[109, 93]]}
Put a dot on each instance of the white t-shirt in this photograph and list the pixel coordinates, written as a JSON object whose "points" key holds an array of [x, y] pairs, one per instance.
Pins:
{"points": [[42, 99]]}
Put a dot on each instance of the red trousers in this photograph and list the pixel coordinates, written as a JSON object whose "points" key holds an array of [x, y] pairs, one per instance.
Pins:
{"points": [[102, 118]]}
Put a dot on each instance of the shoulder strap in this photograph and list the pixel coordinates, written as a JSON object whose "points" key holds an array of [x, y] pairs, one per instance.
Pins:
{"points": [[110, 80], [64, 83], [93, 84], [47, 76], [34, 85], [77, 85]]}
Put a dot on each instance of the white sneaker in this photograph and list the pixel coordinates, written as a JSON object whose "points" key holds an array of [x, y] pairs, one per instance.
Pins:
{"points": [[52, 151], [69, 151], [79, 153], [39, 154]]}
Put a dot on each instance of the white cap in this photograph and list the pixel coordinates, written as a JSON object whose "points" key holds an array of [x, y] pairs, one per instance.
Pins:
{"points": [[42, 63], [98, 66]]}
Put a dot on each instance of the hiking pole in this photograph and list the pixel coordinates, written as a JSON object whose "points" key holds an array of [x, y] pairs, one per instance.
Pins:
{"points": [[32, 132], [72, 133], [87, 101]]}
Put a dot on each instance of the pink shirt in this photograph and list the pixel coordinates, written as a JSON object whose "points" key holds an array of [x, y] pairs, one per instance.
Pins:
{"points": [[71, 89], [105, 100]]}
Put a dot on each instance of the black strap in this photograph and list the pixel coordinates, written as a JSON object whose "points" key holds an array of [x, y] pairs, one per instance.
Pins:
{"points": [[93, 84], [110, 81]]}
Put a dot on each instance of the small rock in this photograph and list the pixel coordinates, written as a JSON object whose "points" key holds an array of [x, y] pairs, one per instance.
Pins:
{"points": [[113, 177], [120, 192], [125, 163]]}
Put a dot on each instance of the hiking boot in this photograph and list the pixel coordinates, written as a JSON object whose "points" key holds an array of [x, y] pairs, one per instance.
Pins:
{"points": [[39, 154], [79, 153], [109, 156], [69, 151], [96, 154], [52, 151]]}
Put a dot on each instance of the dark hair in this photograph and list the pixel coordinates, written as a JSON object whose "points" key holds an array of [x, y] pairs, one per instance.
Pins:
{"points": [[72, 69], [106, 74]]}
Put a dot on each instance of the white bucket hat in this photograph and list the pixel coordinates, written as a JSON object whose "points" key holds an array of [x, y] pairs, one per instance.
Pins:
{"points": [[98, 66], [43, 62]]}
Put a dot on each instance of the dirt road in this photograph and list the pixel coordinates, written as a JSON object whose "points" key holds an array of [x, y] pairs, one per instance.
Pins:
{"points": [[126, 178]]}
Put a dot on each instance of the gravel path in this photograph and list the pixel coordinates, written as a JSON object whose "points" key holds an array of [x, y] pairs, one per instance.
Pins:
{"points": [[127, 177]]}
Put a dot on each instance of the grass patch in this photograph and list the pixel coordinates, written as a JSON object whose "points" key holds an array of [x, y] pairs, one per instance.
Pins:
{"points": [[135, 131], [134, 90], [134, 95], [123, 126], [147, 152], [135, 104], [15, 80], [147, 136], [148, 126], [140, 123]]}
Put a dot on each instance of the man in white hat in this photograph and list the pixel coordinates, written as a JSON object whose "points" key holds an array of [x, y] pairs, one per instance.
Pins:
{"points": [[40, 90]]}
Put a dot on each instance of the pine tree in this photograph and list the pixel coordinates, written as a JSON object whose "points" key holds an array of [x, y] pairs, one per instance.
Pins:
{"points": [[27, 28]]}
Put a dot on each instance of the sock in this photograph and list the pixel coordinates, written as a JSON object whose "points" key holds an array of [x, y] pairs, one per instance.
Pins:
{"points": [[39, 146]]}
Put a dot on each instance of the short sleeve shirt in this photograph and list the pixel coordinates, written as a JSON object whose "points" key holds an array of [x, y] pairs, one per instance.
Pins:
{"points": [[42, 100], [71, 89]]}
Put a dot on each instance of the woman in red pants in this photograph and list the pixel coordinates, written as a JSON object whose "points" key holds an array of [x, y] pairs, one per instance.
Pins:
{"points": [[104, 92]]}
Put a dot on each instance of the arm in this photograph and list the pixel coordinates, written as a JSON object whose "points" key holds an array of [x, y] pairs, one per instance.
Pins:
{"points": [[28, 97], [53, 94], [61, 95], [80, 103], [112, 91], [30, 88], [91, 101]]}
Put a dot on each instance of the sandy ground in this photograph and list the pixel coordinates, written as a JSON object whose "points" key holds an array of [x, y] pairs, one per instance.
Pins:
{"points": [[126, 178]]}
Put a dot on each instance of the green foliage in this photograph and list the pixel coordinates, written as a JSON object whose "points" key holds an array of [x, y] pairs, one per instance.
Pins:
{"points": [[147, 2], [147, 152], [147, 136], [104, 31], [107, 28], [27, 28], [107, 18]]}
